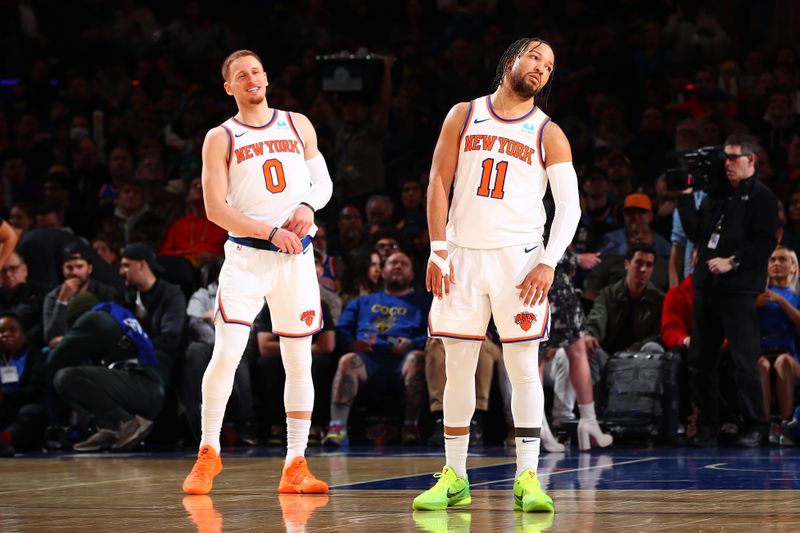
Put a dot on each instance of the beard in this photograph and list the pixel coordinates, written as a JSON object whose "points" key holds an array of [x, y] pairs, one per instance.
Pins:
{"points": [[522, 86], [396, 284]]}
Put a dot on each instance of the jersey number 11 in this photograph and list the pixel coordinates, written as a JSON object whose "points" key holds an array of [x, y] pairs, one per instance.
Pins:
{"points": [[486, 176]]}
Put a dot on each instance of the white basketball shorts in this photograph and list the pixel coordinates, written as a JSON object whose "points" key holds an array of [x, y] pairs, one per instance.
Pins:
{"points": [[288, 282], [485, 285]]}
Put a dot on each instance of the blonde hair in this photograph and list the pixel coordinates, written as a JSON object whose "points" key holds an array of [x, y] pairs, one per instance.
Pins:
{"points": [[226, 65], [794, 284]]}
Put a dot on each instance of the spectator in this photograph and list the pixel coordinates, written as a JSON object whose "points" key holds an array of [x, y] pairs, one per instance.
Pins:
{"points": [[76, 266], [778, 318], [22, 217], [362, 275], [193, 236], [676, 316], [385, 242], [599, 214], [620, 175], [626, 314], [637, 211], [123, 389], [379, 209], [328, 279], [132, 215], [412, 202], [21, 297], [159, 305], [350, 232], [612, 267], [383, 333], [22, 414], [680, 256]]}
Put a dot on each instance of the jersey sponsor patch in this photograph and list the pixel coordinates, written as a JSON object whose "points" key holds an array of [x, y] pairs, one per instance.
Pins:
{"points": [[525, 320], [308, 316]]}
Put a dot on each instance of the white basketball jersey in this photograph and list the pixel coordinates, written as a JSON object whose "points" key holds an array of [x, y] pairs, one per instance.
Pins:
{"points": [[500, 180], [267, 173]]}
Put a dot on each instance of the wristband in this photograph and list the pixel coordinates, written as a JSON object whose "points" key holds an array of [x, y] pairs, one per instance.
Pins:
{"points": [[308, 205], [272, 234], [443, 264]]}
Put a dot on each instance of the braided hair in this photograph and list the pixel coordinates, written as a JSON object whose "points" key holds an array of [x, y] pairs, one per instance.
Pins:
{"points": [[507, 60]]}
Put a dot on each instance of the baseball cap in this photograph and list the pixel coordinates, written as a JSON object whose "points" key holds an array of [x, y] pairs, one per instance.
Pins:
{"points": [[76, 250], [139, 251], [638, 200]]}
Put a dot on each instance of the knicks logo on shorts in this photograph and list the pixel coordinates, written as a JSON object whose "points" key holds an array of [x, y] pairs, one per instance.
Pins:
{"points": [[525, 320], [308, 316]]}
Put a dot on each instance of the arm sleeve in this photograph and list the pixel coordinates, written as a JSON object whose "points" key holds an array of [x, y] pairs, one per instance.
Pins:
{"points": [[321, 184], [564, 184]]}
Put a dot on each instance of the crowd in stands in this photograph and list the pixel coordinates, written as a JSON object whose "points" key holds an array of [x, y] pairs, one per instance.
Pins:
{"points": [[103, 110]]}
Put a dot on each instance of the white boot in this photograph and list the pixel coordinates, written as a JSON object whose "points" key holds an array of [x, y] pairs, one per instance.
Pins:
{"points": [[549, 442], [589, 430]]}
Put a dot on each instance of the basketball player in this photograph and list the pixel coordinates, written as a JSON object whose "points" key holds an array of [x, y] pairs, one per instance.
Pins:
{"points": [[263, 179], [501, 150]]}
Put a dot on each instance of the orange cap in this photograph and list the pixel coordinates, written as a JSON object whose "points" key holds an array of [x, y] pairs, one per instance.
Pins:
{"points": [[638, 200]]}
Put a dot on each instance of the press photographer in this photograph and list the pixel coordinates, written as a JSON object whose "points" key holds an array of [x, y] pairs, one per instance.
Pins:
{"points": [[734, 230]]}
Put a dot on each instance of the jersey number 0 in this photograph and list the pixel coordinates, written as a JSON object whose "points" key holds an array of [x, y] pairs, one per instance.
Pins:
{"points": [[273, 175], [486, 176]]}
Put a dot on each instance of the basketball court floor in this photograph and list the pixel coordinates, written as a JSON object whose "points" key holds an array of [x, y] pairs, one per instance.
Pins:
{"points": [[624, 489]]}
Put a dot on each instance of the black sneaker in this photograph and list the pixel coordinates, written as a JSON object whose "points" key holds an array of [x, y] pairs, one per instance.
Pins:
{"points": [[315, 436], [246, 434], [100, 441], [132, 433]]}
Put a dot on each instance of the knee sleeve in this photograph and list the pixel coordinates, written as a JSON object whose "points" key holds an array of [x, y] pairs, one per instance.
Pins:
{"points": [[230, 342], [461, 359], [298, 394], [527, 398]]}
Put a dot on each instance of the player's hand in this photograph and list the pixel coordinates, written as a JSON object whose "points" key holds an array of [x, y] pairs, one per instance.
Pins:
{"points": [[300, 221], [533, 289], [287, 241], [434, 277]]}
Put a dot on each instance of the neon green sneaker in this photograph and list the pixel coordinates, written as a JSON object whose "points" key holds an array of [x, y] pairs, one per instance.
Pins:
{"points": [[529, 496], [449, 491]]}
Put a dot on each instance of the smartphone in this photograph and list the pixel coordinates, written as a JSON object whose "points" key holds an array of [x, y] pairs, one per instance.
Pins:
{"points": [[607, 247]]}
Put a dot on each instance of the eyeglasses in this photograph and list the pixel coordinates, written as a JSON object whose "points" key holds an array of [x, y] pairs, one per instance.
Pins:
{"points": [[10, 269], [734, 157], [384, 245]]}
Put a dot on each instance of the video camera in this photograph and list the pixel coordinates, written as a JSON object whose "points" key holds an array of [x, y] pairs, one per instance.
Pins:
{"points": [[703, 169]]}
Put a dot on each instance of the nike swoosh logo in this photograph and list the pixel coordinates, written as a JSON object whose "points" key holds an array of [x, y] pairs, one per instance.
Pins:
{"points": [[526, 441], [454, 494], [239, 135], [529, 250], [476, 121]]}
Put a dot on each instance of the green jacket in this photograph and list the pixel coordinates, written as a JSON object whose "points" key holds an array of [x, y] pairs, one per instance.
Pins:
{"points": [[608, 316]]}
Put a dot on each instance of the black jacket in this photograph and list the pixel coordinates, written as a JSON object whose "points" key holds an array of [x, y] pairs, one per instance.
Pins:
{"points": [[748, 232]]}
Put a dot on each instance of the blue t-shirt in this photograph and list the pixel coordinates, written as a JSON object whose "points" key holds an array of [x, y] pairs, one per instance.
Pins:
{"points": [[777, 331], [382, 317]]}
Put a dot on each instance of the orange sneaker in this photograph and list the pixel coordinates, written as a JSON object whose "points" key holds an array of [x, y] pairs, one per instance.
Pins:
{"points": [[201, 477], [297, 478]]}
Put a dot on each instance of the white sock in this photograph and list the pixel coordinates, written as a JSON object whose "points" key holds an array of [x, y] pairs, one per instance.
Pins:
{"points": [[297, 430], [455, 452], [587, 411], [527, 453], [213, 410]]}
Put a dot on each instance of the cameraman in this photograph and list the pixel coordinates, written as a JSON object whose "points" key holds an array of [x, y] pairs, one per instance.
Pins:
{"points": [[734, 230]]}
